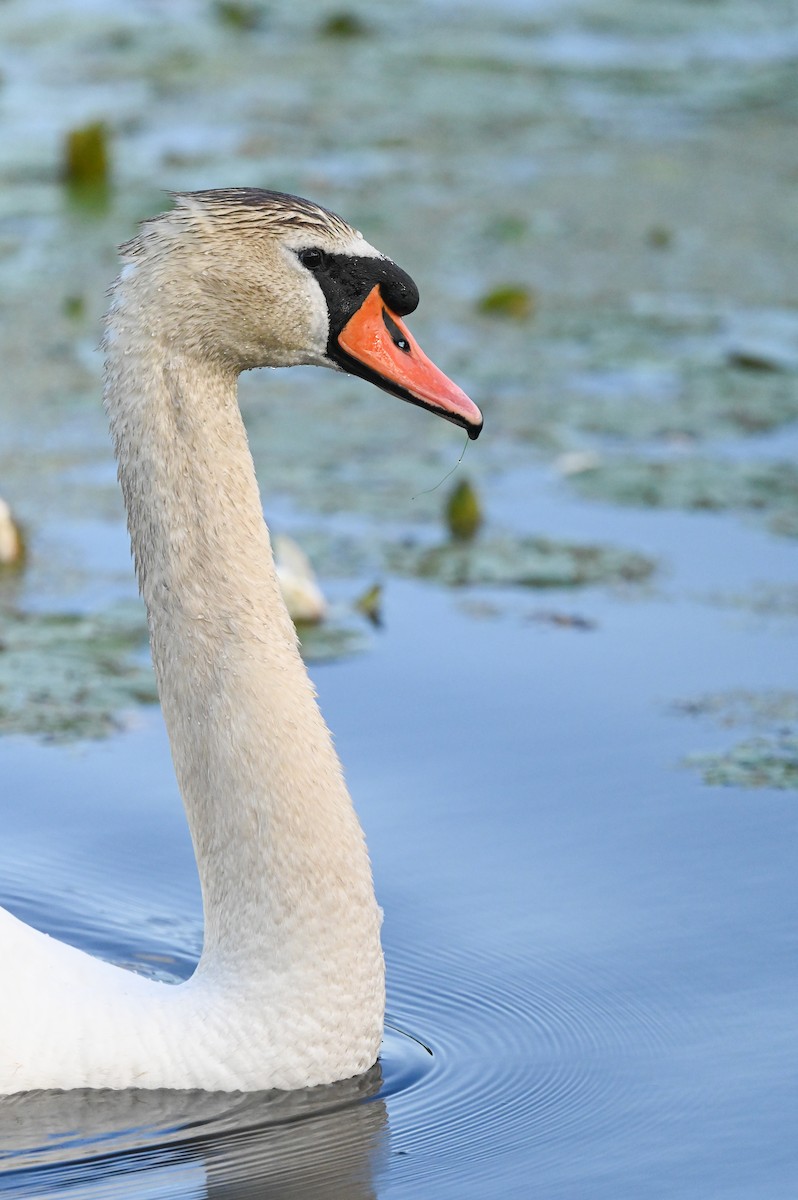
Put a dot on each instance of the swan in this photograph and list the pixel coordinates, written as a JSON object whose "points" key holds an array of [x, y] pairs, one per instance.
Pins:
{"points": [[289, 989]]}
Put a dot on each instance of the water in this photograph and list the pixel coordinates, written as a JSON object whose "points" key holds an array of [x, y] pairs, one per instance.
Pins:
{"points": [[590, 951], [594, 947]]}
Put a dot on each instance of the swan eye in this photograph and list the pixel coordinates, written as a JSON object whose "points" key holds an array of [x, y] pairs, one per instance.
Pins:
{"points": [[312, 259], [399, 339]]}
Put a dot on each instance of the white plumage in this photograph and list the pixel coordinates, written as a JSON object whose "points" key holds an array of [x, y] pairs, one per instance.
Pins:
{"points": [[289, 991]]}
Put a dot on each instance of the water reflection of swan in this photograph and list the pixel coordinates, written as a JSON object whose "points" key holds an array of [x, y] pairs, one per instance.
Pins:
{"points": [[289, 989], [315, 1142]]}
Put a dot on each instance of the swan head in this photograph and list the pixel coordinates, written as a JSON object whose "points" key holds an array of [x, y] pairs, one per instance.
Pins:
{"points": [[253, 278]]}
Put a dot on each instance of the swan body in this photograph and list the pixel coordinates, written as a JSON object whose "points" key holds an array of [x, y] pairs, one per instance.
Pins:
{"points": [[289, 989]]}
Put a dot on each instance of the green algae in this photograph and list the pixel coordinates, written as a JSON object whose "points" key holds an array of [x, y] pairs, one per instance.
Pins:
{"points": [[698, 483]]}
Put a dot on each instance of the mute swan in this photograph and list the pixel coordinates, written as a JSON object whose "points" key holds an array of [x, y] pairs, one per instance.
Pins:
{"points": [[289, 990]]}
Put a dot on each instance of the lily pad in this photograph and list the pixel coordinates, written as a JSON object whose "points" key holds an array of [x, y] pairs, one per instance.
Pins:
{"points": [[69, 676], [503, 560], [66, 675], [761, 762], [330, 640], [768, 758]]}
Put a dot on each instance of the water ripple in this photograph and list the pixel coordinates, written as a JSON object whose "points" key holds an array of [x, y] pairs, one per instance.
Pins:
{"points": [[524, 1051]]}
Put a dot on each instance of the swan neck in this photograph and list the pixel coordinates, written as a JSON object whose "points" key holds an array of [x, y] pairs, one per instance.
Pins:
{"points": [[284, 871]]}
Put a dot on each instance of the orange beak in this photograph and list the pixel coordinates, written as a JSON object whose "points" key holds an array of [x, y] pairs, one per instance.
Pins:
{"points": [[379, 347]]}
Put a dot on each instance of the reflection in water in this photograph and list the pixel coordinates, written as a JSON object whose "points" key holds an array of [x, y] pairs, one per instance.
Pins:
{"points": [[320, 1142]]}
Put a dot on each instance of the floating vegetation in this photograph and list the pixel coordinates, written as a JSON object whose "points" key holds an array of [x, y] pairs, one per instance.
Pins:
{"points": [[65, 676], [70, 676], [650, 401], [510, 228], [244, 15], [500, 559], [785, 522], [697, 483], [369, 604], [766, 759], [749, 358], [344, 24], [763, 341], [655, 375], [74, 307], [760, 762], [463, 511], [504, 560], [741, 706], [508, 300], [87, 164], [659, 237], [762, 600], [562, 620], [331, 640]]}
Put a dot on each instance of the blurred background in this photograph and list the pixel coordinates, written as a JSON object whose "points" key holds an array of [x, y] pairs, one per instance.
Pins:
{"points": [[562, 677]]}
